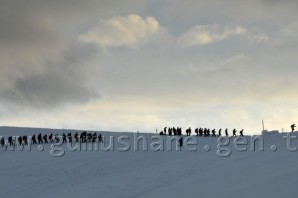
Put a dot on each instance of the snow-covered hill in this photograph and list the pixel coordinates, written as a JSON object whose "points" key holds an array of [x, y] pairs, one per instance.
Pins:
{"points": [[151, 173]]}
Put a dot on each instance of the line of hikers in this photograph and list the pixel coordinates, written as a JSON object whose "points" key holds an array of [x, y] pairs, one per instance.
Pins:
{"points": [[199, 131], [45, 139]]}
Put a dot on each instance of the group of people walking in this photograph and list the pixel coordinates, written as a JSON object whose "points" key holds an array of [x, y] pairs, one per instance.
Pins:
{"points": [[84, 137], [199, 132], [203, 132], [52, 138]]}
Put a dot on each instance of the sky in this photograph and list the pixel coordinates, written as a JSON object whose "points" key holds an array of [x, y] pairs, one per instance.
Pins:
{"points": [[140, 65]]}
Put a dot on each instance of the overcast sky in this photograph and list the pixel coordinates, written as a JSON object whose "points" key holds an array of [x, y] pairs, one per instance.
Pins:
{"points": [[142, 65]]}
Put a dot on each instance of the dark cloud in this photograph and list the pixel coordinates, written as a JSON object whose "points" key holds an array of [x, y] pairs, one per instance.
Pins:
{"points": [[41, 64], [35, 74], [62, 81]]}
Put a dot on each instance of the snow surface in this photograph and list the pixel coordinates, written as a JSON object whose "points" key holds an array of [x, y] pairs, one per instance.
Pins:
{"points": [[94, 174]]}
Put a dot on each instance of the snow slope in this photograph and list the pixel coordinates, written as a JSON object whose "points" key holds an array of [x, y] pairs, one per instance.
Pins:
{"points": [[149, 174]]}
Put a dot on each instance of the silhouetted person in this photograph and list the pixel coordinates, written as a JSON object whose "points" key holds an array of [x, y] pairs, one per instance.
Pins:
{"points": [[34, 139], [200, 132], [213, 133], [51, 138], [88, 137], [94, 137], [165, 130], [9, 139], [241, 132], [188, 131], [181, 142], [76, 136], [226, 132], [39, 138], [100, 138], [45, 138], [20, 140], [64, 138], [69, 137], [208, 132], [25, 139], [179, 131], [219, 132], [170, 131], [174, 131], [234, 133], [197, 131], [205, 132], [57, 138], [83, 136], [293, 127], [2, 142]]}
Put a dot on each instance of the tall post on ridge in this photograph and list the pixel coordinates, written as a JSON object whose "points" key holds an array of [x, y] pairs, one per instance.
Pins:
{"points": [[263, 125]]}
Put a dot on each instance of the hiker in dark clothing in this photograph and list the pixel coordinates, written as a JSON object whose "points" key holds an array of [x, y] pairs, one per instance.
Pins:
{"points": [[100, 138], [89, 137], [197, 131], [293, 127], [57, 138], [39, 138], [200, 132], [83, 137], [226, 132], [45, 138], [181, 142], [179, 131], [51, 138], [165, 130], [76, 136], [2, 142], [34, 139], [234, 133], [188, 131], [69, 137], [25, 140], [63, 138], [170, 131], [9, 140], [20, 140], [219, 133], [174, 131], [213, 133], [241, 132], [94, 137]]}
